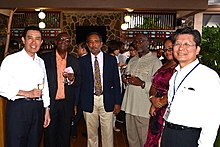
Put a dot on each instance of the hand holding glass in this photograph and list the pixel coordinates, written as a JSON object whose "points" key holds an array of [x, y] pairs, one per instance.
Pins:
{"points": [[65, 81], [127, 75], [41, 86]]}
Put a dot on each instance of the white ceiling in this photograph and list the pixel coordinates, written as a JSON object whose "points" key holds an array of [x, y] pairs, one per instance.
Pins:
{"points": [[214, 2]]}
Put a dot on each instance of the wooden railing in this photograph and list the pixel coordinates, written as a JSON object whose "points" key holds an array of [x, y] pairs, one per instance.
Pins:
{"points": [[152, 21], [23, 19]]}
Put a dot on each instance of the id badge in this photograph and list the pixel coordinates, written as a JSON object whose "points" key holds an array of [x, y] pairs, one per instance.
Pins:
{"points": [[167, 113]]}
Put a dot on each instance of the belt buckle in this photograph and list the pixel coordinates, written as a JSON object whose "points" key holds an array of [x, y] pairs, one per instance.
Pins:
{"points": [[33, 99]]}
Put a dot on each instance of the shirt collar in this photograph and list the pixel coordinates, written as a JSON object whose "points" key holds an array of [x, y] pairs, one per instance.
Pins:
{"points": [[98, 56], [25, 55], [187, 67], [59, 57]]}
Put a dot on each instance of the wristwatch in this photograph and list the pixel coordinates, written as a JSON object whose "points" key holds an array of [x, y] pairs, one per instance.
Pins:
{"points": [[47, 108]]}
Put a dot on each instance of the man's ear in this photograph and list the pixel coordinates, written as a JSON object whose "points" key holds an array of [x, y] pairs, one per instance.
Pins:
{"points": [[23, 40], [198, 48]]}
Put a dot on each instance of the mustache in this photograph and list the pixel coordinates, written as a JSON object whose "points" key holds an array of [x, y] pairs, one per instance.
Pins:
{"points": [[94, 48]]}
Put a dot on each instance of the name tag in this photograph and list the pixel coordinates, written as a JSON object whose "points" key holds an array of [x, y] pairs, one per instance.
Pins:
{"points": [[167, 113]]}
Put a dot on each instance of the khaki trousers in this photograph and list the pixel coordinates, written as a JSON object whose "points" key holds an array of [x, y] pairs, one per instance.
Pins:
{"points": [[92, 124], [137, 128]]}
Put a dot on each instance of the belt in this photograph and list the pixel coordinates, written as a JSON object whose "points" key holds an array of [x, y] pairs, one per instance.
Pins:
{"points": [[180, 127], [30, 99]]}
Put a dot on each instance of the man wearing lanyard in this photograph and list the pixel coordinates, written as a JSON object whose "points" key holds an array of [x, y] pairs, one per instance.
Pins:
{"points": [[191, 119]]}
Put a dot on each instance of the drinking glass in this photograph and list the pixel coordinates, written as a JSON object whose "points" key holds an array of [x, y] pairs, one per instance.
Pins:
{"points": [[40, 86], [128, 74], [65, 81]]}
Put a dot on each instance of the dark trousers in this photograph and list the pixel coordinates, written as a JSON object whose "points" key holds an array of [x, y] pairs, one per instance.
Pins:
{"points": [[57, 134], [24, 123], [180, 138], [75, 120]]}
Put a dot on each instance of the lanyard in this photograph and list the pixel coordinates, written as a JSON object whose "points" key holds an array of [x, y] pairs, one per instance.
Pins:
{"points": [[174, 91]]}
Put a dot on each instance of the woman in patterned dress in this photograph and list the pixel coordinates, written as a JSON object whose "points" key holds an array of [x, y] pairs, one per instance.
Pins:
{"points": [[158, 96]]}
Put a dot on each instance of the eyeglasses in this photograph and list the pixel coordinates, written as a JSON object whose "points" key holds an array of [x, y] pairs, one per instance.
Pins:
{"points": [[65, 40], [168, 49], [185, 45], [139, 41]]}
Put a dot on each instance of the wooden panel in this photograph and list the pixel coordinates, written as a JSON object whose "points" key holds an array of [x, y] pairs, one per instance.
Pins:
{"points": [[136, 4], [23, 19]]}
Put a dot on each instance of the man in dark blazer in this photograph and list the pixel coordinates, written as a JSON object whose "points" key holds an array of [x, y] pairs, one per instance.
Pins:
{"points": [[99, 107], [63, 75]]}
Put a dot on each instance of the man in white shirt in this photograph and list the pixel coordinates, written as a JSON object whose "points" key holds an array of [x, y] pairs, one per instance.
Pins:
{"points": [[192, 116], [24, 83]]}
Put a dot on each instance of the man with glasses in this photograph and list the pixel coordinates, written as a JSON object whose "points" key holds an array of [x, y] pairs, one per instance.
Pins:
{"points": [[192, 116], [136, 104], [100, 91], [63, 75]]}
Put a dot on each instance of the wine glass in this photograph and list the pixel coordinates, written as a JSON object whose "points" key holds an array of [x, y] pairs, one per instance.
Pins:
{"points": [[65, 81], [128, 74], [40, 86]]}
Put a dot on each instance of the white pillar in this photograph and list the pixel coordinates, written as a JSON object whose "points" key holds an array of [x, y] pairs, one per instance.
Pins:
{"points": [[198, 19]]}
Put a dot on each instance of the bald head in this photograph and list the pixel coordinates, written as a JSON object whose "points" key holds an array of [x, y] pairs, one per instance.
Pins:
{"points": [[60, 35], [141, 44]]}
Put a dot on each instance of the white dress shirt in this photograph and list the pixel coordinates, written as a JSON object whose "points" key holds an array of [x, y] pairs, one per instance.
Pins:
{"points": [[20, 72], [196, 101]]}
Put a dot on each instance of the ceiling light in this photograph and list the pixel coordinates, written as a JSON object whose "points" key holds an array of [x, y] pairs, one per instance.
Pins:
{"points": [[130, 10], [42, 25], [183, 21], [127, 18], [124, 26], [41, 15], [37, 9]]}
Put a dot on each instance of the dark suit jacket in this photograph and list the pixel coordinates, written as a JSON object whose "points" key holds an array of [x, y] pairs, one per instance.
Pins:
{"points": [[111, 83], [71, 91]]}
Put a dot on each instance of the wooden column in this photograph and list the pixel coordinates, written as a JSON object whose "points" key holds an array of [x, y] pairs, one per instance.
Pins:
{"points": [[2, 121], [2, 100]]}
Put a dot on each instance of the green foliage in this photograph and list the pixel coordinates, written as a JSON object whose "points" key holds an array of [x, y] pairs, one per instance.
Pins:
{"points": [[210, 53], [149, 23]]}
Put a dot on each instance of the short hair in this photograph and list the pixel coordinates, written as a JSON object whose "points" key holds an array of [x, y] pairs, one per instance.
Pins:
{"points": [[61, 34], [121, 44], [94, 33], [84, 45], [188, 30], [168, 39], [112, 46], [131, 45], [31, 28]]}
